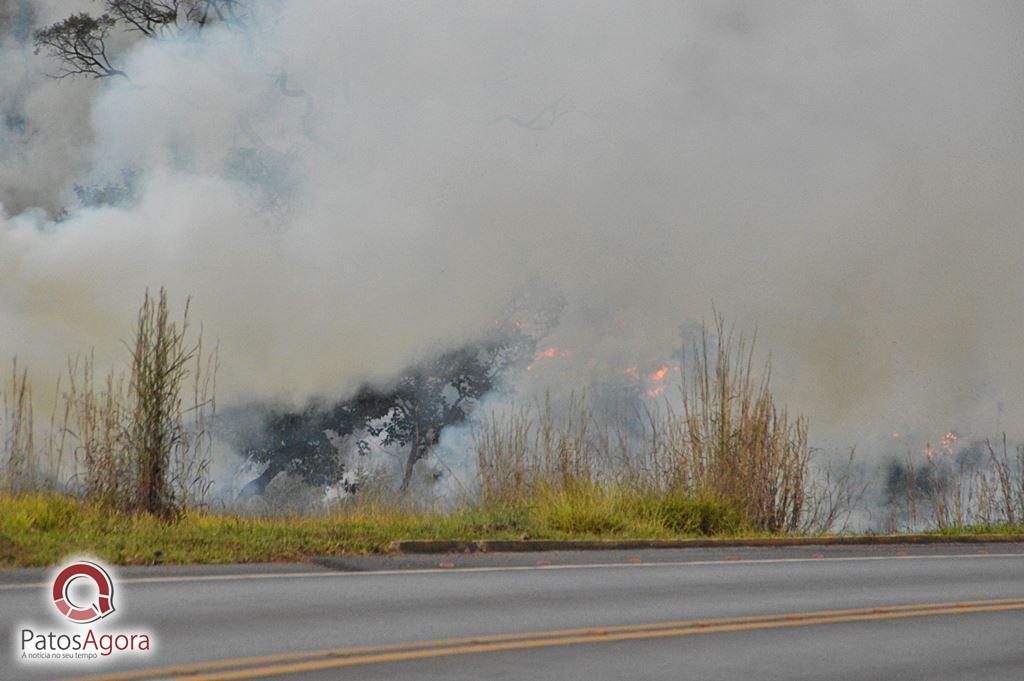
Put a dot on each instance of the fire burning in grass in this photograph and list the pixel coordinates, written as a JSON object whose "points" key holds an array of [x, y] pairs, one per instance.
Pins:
{"points": [[946, 448], [658, 379], [548, 353]]}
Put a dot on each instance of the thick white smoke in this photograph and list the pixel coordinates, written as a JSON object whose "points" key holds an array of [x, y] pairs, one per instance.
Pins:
{"points": [[844, 177]]}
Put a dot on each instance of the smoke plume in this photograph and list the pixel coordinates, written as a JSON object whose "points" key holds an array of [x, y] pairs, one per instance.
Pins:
{"points": [[346, 188]]}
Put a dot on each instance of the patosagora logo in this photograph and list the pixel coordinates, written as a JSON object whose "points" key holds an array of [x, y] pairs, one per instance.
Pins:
{"points": [[82, 593], [79, 614]]}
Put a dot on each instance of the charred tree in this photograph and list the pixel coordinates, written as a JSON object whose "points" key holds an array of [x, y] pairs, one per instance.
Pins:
{"points": [[439, 394], [409, 414], [299, 443]]}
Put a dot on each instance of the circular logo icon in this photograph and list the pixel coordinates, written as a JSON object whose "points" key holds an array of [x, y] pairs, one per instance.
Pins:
{"points": [[75, 612]]}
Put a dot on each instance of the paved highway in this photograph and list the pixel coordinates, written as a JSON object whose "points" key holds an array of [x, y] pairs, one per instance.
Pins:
{"points": [[889, 612]]}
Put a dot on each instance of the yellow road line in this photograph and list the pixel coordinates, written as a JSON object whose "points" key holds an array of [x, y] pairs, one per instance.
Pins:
{"points": [[300, 667], [289, 663]]}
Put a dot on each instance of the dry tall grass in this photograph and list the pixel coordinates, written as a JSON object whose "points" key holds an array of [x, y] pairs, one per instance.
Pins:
{"points": [[139, 440], [21, 468], [725, 455], [981, 485], [728, 441], [158, 436]]}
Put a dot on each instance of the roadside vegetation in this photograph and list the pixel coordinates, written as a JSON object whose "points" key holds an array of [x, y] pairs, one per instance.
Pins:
{"points": [[120, 468], [43, 528], [957, 490], [132, 441], [727, 441]]}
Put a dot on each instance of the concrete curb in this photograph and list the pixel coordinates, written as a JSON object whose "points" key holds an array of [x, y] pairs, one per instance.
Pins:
{"points": [[528, 545]]}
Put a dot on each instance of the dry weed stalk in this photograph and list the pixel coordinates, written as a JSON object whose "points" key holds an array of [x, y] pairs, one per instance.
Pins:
{"points": [[139, 445], [971, 488], [21, 469]]}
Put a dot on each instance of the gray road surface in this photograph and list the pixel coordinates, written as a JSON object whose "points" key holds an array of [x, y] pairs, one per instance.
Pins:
{"points": [[230, 612]]}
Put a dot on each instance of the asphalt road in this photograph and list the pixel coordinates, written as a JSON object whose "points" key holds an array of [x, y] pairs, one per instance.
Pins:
{"points": [[937, 612]]}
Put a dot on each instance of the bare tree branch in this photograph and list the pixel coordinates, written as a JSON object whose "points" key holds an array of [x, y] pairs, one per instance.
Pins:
{"points": [[79, 45], [149, 17]]}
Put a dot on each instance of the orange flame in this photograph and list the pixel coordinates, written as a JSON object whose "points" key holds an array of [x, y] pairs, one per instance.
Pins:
{"points": [[548, 353], [659, 375]]}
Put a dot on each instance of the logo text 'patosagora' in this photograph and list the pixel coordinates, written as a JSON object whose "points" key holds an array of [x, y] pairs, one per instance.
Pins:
{"points": [[44, 644], [90, 642]]}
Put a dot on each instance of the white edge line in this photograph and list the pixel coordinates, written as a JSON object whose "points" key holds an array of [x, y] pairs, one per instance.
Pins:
{"points": [[514, 568]]}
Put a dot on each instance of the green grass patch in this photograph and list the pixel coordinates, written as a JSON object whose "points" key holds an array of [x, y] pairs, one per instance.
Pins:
{"points": [[43, 529], [1003, 529]]}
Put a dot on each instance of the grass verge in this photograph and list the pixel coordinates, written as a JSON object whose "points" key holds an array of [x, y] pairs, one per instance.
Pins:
{"points": [[43, 529], [969, 530]]}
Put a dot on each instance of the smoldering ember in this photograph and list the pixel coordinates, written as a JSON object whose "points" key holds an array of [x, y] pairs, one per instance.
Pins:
{"points": [[309, 280]]}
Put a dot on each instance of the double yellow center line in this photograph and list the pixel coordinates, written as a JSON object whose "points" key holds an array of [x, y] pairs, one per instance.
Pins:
{"points": [[296, 663]]}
